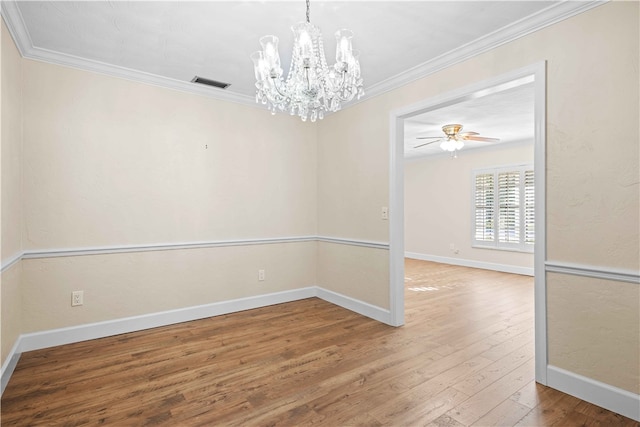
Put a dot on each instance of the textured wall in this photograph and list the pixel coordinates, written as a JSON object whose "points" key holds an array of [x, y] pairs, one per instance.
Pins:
{"points": [[357, 272], [353, 173], [11, 147], [130, 284], [593, 195], [600, 336], [11, 192], [11, 299], [438, 203], [115, 162], [110, 162], [592, 163]]}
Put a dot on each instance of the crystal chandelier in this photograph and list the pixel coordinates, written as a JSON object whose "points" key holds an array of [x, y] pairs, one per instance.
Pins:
{"points": [[312, 87]]}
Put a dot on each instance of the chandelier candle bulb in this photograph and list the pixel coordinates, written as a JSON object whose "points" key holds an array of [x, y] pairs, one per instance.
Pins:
{"points": [[270, 52], [306, 45], [343, 51], [311, 87]]}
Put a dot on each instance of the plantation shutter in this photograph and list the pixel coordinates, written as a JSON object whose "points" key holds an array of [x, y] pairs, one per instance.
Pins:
{"points": [[484, 208], [509, 207], [503, 208], [529, 208]]}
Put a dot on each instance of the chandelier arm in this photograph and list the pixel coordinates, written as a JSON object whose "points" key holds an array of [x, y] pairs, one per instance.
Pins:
{"points": [[341, 86], [275, 85]]}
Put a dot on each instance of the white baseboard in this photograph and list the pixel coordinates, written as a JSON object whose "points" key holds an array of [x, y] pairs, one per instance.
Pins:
{"points": [[612, 398], [527, 271], [357, 306], [61, 336], [9, 365], [54, 337]]}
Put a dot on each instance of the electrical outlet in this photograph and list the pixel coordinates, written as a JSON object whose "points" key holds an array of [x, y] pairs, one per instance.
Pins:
{"points": [[261, 275], [385, 212], [77, 298]]}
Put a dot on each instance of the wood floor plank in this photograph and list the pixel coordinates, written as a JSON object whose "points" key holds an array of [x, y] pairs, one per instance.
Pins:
{"points": [[444, 421], [552, 412], [473, 384], [603, 416], [480, 404], [506, 413], [418, 409], [464, 356], [529, 395]]}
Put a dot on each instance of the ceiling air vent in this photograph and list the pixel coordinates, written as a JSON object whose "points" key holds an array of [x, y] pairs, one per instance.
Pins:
{"points": [[210, 82]]}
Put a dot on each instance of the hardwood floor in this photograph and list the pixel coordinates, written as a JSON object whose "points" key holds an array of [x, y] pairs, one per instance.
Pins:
{"points": [[464, 357]]}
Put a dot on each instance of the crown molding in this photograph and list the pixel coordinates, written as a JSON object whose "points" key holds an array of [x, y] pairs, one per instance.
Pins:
{"points": [[18, 30], [15, 24], [57, 58], [549, 16], [544, 18]]}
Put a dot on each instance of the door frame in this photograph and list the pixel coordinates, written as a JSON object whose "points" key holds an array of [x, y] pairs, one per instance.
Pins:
{"points": [[537, 72]]}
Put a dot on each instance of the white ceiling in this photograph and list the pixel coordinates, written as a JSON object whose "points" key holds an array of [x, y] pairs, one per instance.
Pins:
{"points": [[167, 43], [507, 114]]}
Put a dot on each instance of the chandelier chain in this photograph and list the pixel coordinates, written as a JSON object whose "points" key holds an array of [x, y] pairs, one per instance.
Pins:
{"points": [[308, 7]]}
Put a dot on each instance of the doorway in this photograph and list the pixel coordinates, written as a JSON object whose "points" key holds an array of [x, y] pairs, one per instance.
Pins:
{"points": [[534, 73]]}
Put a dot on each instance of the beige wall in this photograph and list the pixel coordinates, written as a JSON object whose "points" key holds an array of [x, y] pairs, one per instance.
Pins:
{"points": [[438, 203], [340, 266], [592, 164], [110, 162], [353, 173], [11, 192], [11, 299], [11, 147], [603, 329], [114, 162], [130, 284]]}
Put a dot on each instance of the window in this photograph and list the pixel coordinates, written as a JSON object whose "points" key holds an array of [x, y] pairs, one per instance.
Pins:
{"points": [[503, 208]]}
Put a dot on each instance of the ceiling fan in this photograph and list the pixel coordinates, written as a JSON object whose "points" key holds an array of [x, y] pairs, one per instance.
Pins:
{"points": [[453, 139]]}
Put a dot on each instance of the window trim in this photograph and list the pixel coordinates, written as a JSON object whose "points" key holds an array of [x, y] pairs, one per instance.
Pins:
{"points": [[521, 246]]}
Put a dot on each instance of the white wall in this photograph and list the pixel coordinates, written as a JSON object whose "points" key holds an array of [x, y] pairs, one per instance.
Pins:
{"points": [[438, 207]]}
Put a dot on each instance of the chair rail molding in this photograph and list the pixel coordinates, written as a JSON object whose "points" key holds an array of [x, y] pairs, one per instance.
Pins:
{"points": [[596, 272]]}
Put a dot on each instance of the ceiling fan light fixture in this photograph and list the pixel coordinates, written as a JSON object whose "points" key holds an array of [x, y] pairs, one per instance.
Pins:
{"points": [[451, 144]]}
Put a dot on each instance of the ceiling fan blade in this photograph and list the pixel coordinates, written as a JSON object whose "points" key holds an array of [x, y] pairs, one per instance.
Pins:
{"points": [[481, 138], [466, 134], [427, 143], [428, 137]]}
